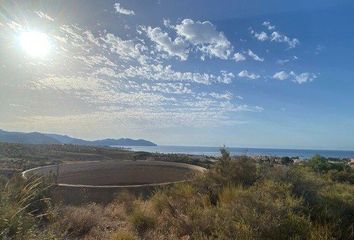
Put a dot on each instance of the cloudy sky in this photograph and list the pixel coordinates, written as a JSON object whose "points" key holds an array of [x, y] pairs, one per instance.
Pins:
{"points": [[235, 72]]}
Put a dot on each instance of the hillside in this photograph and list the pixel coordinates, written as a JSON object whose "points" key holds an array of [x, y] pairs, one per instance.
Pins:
{"points": [[237, 198], [27, 138], [43, 138]]}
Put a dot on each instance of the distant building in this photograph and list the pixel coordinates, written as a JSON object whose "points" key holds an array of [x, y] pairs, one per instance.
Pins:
{"points": [[351, 162]]}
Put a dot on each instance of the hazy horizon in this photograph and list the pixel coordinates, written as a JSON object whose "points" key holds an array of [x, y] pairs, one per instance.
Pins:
{"points": [[187, 73], [201, 146]]}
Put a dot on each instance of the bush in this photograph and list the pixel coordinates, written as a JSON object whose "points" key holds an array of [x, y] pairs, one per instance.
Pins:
{"points": [[227, 171], [123, 235], [319, 164], [240, 170], [126, 199], [78, 221], [268, 209], [142, 218], [286, 160], [345, 176], [328, 203]]}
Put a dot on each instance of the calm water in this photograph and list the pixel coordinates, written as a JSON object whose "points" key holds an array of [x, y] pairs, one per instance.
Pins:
{"points": [[214, 151]]}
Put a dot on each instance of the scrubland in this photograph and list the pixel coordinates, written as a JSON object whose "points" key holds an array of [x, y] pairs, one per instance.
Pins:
{"points": [[236, 199]]}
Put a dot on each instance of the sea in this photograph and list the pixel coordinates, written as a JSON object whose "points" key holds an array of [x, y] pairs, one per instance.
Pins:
{"points": [[215, 151]]}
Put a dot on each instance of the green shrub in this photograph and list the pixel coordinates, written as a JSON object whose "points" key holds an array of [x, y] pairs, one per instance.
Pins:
{"points": [[319, 164], [344, 176], [227, 171], [286, 160], [239, 170], [328, 203], [267, 208]]}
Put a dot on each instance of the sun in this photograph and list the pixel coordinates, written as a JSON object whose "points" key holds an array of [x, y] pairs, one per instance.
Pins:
{"points": [[36, 44]]}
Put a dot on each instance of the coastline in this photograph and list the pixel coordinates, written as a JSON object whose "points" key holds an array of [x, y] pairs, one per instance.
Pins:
{"points": [[254, 152]]}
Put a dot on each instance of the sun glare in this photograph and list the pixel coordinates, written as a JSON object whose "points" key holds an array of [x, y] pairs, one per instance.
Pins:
{"points": [[36, 44]]}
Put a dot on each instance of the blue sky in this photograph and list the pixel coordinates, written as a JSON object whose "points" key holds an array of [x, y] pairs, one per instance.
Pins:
{"points": [[241, 73]]}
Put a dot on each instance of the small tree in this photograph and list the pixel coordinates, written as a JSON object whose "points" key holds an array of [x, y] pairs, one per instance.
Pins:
{"points": [[239, 170], [286, 160], [319, 164]]}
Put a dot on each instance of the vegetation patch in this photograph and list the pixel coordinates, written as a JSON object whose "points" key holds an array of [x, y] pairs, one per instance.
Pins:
{"points": [[238, 198]]}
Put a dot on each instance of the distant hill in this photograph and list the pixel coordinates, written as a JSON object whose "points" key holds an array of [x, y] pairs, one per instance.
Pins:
{"points": [[44, 138], [30, 138]]}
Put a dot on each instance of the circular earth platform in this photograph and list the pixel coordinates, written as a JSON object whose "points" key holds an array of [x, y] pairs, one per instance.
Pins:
{"points": [[83, 182]]}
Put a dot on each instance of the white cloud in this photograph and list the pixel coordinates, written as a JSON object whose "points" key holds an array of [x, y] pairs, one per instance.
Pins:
{"points": [[126, 49], [91, 38], [73, 33], [15, 26], [138, 120], [239, 57], [205, 36], [225, 77], [178, 47], [122, 78], [254, 56], [100, 92], [121, 10], [284, 61], [275, 36], [303, 77], [169, 87], [166, 73], [44, 15], [129, 59], [261, 36], [167, 23], [268, 25], [106, 71], [125, 77], [62, 40], [282, 75], [226, 95], [246, 74], [248, 108], [278, 37], [172, 88], [142, 104], [298, 78], [95, 60]]}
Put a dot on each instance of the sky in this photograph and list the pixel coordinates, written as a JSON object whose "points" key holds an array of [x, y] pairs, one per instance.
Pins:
{"points": [[274, 74]]}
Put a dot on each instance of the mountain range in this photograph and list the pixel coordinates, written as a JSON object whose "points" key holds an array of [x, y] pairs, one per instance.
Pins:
{"points": [[44, 138]]}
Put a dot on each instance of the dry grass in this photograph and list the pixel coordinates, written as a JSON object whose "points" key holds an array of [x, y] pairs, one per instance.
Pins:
{"points": [[123, 235], [93, 221], [142, 217], [78, 221]]}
